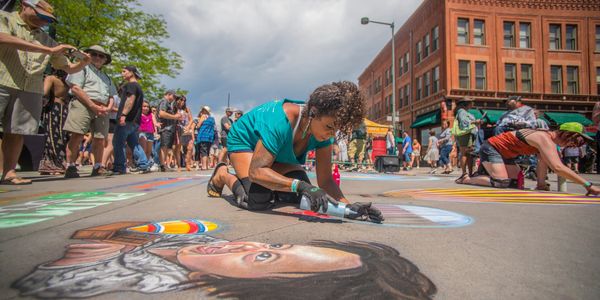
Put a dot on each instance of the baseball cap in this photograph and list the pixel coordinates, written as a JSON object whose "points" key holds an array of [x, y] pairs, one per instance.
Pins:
{"points": [[171, 91], [133, 70], [228, 109], [43, 9], [575, 127]]}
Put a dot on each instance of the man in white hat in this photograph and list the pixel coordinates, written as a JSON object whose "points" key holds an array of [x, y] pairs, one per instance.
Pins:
{"points": [[94, 92], [206, 135], [25, 51]]}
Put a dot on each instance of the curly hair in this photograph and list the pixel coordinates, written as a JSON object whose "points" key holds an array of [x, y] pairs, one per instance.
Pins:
{"points": [[384, 274], [341, 100]]}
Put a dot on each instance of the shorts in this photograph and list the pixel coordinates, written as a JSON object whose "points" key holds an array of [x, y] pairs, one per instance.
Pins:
{"points": [[214, 150], [356, 148], [204, 148], [186, 139], [571, 159], [167, 137], [87, 148], [224, 141], [147, 135], [112, 125], [407, 156], [20, 111], [464, 140], [489, 154], [83, 120]]}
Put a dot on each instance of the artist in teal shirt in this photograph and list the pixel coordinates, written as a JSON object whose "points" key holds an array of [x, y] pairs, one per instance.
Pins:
{"points": [[268, 146]]}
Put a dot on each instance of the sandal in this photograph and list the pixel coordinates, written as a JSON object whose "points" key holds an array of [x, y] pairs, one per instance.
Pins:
{"points": [[211, 189], [543, 188], [15, 180], [460, 179]]}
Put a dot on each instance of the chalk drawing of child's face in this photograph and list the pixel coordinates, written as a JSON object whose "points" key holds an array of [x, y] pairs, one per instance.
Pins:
{"points": [[257, 260]]}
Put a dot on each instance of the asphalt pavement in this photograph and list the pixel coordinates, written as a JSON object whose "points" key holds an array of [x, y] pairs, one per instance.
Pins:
{"points": [[468, 242]]}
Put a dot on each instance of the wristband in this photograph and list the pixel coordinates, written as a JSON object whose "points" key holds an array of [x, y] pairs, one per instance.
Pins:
{"points": [[587, 184], [294, 186]]}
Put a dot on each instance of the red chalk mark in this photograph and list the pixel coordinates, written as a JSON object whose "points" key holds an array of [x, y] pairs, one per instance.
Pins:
{"points": [[155, 184], [193, 226], [151, 228], [311, 213]]}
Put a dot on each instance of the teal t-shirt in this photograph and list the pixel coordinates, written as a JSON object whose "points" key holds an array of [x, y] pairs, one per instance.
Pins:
{"points": [[269, 123]]}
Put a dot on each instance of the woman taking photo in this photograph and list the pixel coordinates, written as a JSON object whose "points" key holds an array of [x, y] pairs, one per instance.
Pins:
{"points": [[498, 154], [268, 146]]}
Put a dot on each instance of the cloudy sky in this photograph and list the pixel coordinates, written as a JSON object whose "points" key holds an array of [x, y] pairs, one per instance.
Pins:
{"points": [[259, 50]]}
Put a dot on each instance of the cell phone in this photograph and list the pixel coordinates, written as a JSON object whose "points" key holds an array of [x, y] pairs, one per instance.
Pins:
{"points": [[483, 116], [76, 54]]}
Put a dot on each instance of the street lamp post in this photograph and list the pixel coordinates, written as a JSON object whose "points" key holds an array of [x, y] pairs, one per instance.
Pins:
{"points": [[366, 21]]}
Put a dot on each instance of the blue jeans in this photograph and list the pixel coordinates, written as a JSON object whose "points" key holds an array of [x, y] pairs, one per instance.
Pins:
{"points": [[128, 134], [390, 151], [479, 138], [156, 152], [445, 155]]}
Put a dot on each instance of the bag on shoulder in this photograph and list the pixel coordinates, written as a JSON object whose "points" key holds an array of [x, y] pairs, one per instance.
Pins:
{"points": [[456, 131]]}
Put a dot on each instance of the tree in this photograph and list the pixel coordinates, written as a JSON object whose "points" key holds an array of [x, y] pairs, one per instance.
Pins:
{"points": [[132, 36]]}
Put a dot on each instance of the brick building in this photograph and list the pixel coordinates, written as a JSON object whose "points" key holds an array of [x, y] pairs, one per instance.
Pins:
{"points": [[547, 51]]}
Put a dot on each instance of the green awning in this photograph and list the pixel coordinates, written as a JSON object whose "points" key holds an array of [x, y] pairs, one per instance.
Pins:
{"points": [[475, 112], [591, 134], [430, 118], [558, 118], [492, 115]]}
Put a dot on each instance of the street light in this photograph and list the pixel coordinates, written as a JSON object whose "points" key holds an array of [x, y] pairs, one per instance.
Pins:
{"points": [[366, 21]]}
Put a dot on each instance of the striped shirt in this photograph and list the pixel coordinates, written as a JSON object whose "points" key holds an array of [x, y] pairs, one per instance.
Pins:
{"points": [[24, 70]]}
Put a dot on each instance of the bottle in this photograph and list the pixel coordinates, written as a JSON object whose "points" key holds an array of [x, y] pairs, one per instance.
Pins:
{"points": [[340, 211], [521, 180], [336, 174]]}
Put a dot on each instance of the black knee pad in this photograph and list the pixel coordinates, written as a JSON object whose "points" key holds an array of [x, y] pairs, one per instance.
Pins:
{"points": [[256, 196], [500, 183], [288, 197]]}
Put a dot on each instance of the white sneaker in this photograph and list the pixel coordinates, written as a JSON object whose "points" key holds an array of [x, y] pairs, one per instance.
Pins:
{"points": [[154, 168]]}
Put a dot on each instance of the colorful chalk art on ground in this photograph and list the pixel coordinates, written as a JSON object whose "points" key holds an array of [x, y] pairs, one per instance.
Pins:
{"points": [[56, 205], [495, 195], [118, 257], [380, 177], [189, 226]]}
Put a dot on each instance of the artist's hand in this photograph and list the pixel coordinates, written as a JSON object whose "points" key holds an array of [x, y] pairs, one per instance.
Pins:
{"points": [[593, 190], [318, 197], [366, 212]]}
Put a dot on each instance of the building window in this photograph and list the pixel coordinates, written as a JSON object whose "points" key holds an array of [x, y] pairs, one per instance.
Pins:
{"points": [[554, 37], [419, 88], [597, 80], [464, 74], [406, 94], [556, 79], [406, 62], [463, 31], [426, 88], [571, 37], [509, 34], [510, 80], [419, 52], [400, 94], [480, 75], [401, 66], [526, 78], [436, 80], [387, 76], [597, 38], [435, 34], [479, 32], [426, 45], [572, 80], [524, 35]]}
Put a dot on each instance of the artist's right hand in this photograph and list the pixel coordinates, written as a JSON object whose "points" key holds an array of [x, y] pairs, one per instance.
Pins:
{"points": [[593, 190], [318, 197]]}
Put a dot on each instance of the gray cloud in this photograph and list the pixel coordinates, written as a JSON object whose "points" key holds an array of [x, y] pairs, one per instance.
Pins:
{"points": [[259, 50]]}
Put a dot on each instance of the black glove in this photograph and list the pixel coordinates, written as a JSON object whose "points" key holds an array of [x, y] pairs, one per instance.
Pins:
{"points": [[365, 212], [318, 198]]}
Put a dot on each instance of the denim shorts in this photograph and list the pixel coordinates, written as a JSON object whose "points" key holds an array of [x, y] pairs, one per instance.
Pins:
{"points": [[489, 154], [149, 136], [407, 156]]}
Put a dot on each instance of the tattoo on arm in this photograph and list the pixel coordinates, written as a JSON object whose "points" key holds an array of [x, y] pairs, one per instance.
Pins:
{"points": [[261, 172], [128, 104]]}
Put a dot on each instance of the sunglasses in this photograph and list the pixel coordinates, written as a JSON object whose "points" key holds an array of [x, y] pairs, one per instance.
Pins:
{"points": [[44, 17], [99, 55]]}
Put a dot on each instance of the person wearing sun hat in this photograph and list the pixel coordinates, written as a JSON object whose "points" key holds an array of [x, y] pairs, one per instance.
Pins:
{"points": [[498, 154], [25, 52], [94, 93]]}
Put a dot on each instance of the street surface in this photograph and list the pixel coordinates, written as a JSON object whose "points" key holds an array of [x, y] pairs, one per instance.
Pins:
{"points": [[472, 243]]}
